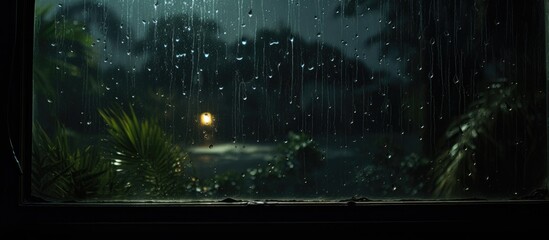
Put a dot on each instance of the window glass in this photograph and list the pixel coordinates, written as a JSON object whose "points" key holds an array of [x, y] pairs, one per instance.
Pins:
{"points": [[288, 100]]}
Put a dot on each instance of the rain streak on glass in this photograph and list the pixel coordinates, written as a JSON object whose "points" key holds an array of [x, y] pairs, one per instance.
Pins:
{"points": [[288, 99]]}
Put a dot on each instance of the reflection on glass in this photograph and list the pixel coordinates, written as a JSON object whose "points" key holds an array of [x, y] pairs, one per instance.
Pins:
{"points": [[288, 100]]}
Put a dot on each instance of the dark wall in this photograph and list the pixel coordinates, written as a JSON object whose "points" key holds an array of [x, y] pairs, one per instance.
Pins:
{"points": [[8, 39]]}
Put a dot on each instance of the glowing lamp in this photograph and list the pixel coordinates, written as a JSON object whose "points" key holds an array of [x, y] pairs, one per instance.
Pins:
{"points": [[206, 119]]}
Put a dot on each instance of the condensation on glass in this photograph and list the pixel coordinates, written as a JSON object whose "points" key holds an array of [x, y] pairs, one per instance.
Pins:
{"points": [[288, 100]]}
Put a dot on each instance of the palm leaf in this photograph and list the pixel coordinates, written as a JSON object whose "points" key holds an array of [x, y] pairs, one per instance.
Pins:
{"points": [[144, 154], [60, 173], [456, 168], [49, 62]]}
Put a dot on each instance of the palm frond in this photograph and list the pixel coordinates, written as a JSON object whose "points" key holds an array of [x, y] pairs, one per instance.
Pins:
{"points": [[49, 61], [144, 154], [456, 169], [60, 173]]}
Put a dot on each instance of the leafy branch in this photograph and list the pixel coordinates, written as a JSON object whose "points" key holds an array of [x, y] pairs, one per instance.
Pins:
{"points": [[144, 155]]}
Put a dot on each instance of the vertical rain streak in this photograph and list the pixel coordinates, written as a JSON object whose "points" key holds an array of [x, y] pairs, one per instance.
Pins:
{"points": [[382, 89]]}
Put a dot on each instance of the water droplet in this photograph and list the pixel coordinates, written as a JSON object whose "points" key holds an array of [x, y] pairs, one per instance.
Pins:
{"points": [[274, 43], [244, 42], [318, 35], [88, 123], [239, 58], [220, 88], [250, 13], [49, 100], [206, 55], [245, 98], [211, 146]]}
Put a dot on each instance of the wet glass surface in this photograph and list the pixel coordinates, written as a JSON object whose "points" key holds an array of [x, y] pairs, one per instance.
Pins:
{"points": [[288, 99]]}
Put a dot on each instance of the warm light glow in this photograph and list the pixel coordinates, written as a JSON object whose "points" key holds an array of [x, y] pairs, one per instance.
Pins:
{"points": [[206, 119]]}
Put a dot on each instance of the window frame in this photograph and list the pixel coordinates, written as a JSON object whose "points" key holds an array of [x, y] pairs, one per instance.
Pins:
{"points": [[21, 208]]}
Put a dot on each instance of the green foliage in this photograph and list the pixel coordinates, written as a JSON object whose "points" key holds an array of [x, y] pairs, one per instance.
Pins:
{"points": [[146, 159], [291, 174], [299, 159], [403, 177], [49, 62], [477, 158], [456, 163], [302, 151], [140, 161], [393, 172], [59, 172], [229, 184]]}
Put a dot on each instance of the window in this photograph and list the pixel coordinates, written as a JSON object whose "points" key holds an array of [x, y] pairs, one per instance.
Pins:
{"points": [[288, 100]]}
